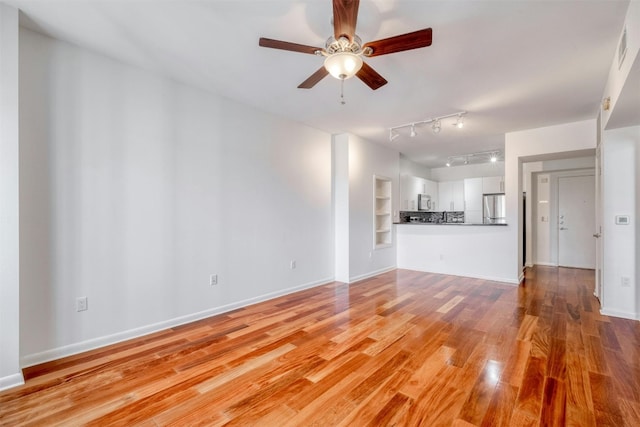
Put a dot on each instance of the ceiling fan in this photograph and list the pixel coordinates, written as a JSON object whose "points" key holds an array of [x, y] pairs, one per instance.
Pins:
{"points": [[344, 50]]}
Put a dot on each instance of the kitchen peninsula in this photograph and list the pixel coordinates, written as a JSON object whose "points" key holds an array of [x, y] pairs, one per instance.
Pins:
{"points": [[460, 249], [447, 234]]}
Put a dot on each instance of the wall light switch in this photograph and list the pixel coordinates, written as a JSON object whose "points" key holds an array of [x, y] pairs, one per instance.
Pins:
{"points": [[622, 219]]}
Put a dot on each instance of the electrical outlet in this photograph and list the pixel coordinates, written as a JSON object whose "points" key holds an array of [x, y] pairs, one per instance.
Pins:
{"points": [[82, 304], [625, 281], [213, 279], [292, 265]]}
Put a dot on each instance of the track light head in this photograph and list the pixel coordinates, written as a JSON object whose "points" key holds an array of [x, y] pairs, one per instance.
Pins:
{"points": [[413, 131], [436, 127], [493, 158], [393, 135], [460, 122]]}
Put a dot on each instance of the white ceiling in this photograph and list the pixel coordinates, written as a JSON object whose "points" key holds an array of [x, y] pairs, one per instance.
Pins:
{"points": [[512, 65]]}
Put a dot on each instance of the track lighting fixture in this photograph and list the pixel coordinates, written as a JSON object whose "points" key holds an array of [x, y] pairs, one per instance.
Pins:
{"points": [[436, 125], [460, 122], [474, 158]]}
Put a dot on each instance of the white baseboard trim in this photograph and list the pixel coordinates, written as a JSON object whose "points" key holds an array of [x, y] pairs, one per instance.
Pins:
{"points": [[11, 381], [622, 314], [370, 274], [547, 264], [529, 264], [470, 276], [520, 277], [71, 349]]}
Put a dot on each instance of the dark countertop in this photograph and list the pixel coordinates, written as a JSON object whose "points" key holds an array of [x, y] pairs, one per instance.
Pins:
{"points": [[446, 223]]}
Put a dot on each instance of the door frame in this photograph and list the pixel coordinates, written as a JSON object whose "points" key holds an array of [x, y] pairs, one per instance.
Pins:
{"points": [[597, 291]]}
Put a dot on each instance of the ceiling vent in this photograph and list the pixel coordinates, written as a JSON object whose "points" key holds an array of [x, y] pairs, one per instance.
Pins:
{"points": [[622, 47]]}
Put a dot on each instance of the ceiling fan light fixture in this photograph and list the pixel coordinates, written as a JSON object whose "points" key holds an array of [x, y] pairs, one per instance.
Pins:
{"points": [[343, 65]]}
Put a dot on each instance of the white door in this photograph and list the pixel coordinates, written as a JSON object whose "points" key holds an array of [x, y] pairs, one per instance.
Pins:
{"points": [[576, 221]]}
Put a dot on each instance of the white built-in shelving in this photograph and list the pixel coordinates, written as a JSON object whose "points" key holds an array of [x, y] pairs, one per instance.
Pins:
{"points": [[382, 234]]}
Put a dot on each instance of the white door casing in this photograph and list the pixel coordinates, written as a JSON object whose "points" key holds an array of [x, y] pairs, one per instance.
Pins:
{"points": [[598, 225], [576, 221]]}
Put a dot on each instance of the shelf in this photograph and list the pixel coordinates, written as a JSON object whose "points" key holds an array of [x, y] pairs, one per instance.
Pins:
{"points": [[382, 236]]}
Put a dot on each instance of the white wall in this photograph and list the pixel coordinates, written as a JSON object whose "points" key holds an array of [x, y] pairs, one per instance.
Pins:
{"points": [[341, 206], [367, 159], [619, 74], [134, 189], [637, 225], [10, 374], [621, 244], [454, 173], [554, 142], [411, 168]]}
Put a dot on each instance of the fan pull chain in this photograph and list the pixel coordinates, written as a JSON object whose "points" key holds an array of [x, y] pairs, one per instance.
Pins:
{"points": [[342, 101]]}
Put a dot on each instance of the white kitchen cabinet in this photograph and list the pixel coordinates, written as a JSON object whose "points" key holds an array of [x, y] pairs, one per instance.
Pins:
{"points": [[451, 195], [473, 194], [411, 186], [432, 190], [473, 200], [493, 184]]}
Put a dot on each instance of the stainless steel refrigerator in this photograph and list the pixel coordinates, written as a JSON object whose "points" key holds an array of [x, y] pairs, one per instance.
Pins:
{"points": [[494, 209]]}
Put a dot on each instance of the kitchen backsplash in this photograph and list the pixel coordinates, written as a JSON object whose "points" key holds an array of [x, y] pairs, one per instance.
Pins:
{"points": [[432, 217]]}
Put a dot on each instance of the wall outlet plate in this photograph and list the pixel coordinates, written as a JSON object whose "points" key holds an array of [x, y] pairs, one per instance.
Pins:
{"points": [[82, 304], [213, 279]]}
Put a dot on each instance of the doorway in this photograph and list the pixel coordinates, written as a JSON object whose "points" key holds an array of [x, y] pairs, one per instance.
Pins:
{"points": [[576, 221]]}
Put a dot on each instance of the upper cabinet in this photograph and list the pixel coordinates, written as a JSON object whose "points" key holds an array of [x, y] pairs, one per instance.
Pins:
{"points": [[451, 195], [493, 184], [473, 200], [411, 186], [473, 194]]}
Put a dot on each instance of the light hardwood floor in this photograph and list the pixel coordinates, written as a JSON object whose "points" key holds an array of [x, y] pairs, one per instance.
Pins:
{"points": [[403, 348]]}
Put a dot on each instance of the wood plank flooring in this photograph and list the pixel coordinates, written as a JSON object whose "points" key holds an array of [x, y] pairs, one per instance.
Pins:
{"points": [[403, 348]]}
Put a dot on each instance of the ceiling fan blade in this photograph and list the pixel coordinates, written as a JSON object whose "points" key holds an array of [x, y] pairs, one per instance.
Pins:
{"points": [[294, 47], [414, 40], [314, 78], [345, 15], [371, 77]]}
